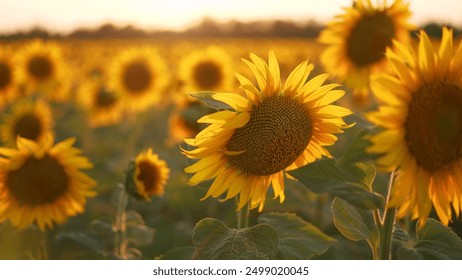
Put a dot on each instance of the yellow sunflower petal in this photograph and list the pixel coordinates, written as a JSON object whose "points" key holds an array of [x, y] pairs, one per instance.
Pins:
{"points": [[236, 101]]}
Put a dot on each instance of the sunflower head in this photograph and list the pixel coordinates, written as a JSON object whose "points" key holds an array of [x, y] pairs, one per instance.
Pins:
{"points": [[421, 113], [8, 90], [42, 183], [273, 127], [29, 119], [207, 69], [139, 75], [5, 75], [183, 120], [102, 105], [41, 68], [356, 42], [147, 176]]}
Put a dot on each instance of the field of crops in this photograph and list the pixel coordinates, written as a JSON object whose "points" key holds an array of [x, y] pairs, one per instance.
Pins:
{"points": [[167, 222], [232, 148]]}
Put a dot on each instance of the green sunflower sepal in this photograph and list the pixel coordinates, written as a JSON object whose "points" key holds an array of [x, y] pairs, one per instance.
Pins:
{"points": [[206, 98], [130, 185]]}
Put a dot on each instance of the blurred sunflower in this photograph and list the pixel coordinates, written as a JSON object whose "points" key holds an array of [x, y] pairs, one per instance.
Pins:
{"points": [[7, 77], [29, 119], [41, 69], [42, 183], [183, 120], [148, 176], [102, 105], [207, 69], [421, 113], [271, 130], [139, 75], [357, 41]]}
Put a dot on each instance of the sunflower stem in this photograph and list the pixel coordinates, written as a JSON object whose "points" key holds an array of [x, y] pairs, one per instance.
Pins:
{"points": [[120, 227], [243, 217], [386, 230], [375, 252], [378, 220]]}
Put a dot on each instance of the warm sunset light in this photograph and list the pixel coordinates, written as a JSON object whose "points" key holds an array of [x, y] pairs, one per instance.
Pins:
{"points": [[274, 132], [64, 16]]}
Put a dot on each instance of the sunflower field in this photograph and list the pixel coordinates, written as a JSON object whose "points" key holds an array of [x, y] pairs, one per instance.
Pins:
{"points": [[344, 146]]}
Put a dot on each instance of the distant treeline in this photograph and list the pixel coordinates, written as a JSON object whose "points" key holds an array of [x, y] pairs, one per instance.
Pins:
{"points": [[207, 28]]}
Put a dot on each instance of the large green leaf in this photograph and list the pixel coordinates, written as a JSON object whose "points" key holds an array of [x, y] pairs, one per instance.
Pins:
{"points": [[434, 241], [213, 240], [351, 182], [354, 150], [298, 239], [206, 98], [355, 223]]}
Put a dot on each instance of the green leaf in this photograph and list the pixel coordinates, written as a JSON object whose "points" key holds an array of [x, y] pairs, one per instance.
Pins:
{"points": [[181, 253], [298, 239], [213, 240], [355, 223], [139, 234], [206, 98], [351, 182], [434, 242], [76, 245], [102, 227], [133, 217], [355, 148]]}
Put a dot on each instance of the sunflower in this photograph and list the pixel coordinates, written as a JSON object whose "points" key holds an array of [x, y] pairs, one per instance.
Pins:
{"points": [[183, 120], [7, 77], [41, 69], [357, 41], [271, 130], [102, 104], [42, 183], [148, 176], [421, 113], [29, 119], [139, 75], [207, 69]]}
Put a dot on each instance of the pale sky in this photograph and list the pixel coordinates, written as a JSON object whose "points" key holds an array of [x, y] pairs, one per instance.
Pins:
{"points": [[67, 15]]}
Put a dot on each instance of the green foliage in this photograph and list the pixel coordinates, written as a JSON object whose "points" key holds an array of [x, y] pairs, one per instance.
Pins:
{"points": [[206, 98], [355, 223], [137, 232], [355, 149], [77, 246], [180, 253], [13, 245], [214, 240], [351, 182], [434, 241], [298, 239]]}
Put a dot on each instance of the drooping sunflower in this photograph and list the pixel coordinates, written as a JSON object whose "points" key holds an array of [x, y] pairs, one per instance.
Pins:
{"points": [[102, 104], [270, 130], [43, 183], [29, 119], [207, 69], [357, 40], [139, 75], [7, 77], [41, 69], [148, 176], [421, 113]]}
